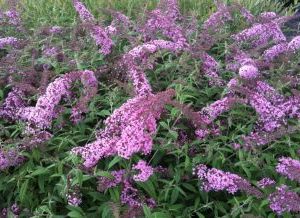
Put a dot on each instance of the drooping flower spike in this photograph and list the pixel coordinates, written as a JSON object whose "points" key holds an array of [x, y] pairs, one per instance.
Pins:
{"points": [[128, 130], [98, 33], [44, 112]]}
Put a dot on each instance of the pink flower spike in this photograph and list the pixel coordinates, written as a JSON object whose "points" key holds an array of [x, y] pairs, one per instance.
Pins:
{"points": [[145, 171]]}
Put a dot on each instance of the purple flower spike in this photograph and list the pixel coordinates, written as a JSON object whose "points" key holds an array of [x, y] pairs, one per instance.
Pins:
{"points": [[145, 171], [289, 167]]}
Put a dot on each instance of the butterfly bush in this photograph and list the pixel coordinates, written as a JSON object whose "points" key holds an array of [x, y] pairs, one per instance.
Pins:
{"points": [[44, 112], [209, 113], [265, 182], [275, 51], [294, 44], [248, 72], [9, 158], [164, 19], [105, 183], [12, 104], [282, 49], [8, 41], [128, 130], [218, 180], [250, 18], [130, 195], [170, 8], [13, 17], [100, 36], [211, 69], [56, 29], [138, 55], [145, 171], [283, 200], [218, 18], [289, 167], [15, 209], [261, 34], [74, 199]]}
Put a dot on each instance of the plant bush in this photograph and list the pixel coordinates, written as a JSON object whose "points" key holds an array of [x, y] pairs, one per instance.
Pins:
{"points": [[164, 113]]}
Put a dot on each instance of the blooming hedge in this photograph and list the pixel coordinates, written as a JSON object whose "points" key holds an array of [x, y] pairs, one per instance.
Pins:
{"points": [[115, 153]]}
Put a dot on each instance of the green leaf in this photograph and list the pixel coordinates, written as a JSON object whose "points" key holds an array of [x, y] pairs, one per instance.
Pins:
{"points": [[160, 215], [23, 190], [104, 174], [147, 211], [39, 171], [114, 161], [148, 187], [189, 187], [174, 134], [41, 183], [74, 214], [104, 113], [174, 196]]}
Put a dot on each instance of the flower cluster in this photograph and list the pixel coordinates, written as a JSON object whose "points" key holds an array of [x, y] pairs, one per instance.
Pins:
{"points": [[209, 113], [145, 171], [282, 48], [9, 41], [261, 34], [164, 20], [215, 109], [55, 29], [265, 182], [211, 67], [138, 55], [13, 17], [14, 209], [105, 183], [128, 130], [248, 72], [218, 18], [13, 102], [170, 8], [84, 14], [99, 34], [74, 199], [275, 51], [218, 180], [9, 158], [289, 168], [294, 44], [283, 200], [131, 197], [44, 111]]}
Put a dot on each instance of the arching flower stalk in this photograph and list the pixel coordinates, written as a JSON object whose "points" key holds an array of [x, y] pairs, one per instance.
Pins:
{"points": [[164, 19], [261, 34], [44, 112], [128, 130], [218, 180], [100, 36], [139, 56], [210, 67]]}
